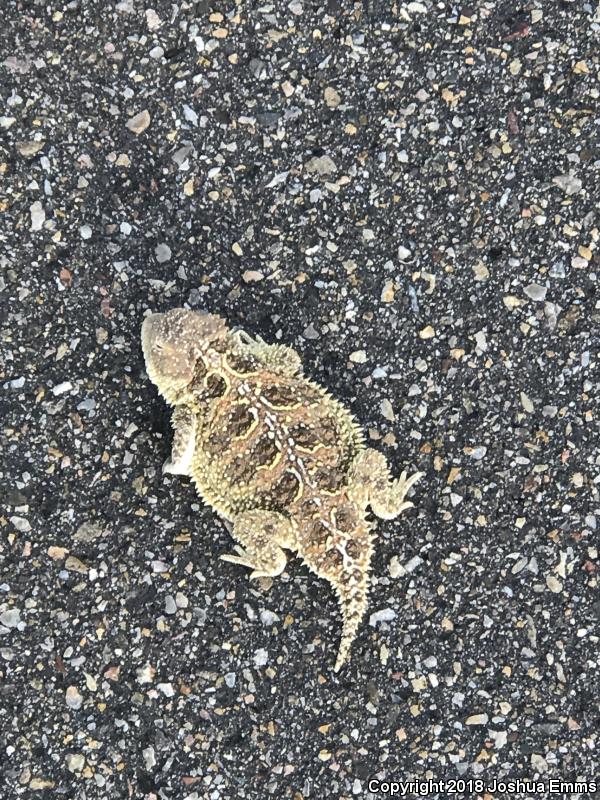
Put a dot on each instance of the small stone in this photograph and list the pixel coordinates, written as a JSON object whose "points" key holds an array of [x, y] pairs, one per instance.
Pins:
{"points": [[38, 783], [252, 276], [388, 292], [477, 719], [404, 253], [332, 97], [427, 332], [21, 524], [510, 301], [585, 252], [73, 697], [38, 216], [153, 21], [387, 410], [30, 149], [237, 249], [527, 404], [539, 763], [91, 682], [74, 564], [568, 183], [149, 757], [577, 262], [163, 253], [57, 552], [139, 122], [383, 615], [166, 688], [536, 292], [395, 568], [62, 388], [10, 618], [261, 657], [554, 584], [170, 605], [75, 762], [229, 679], [310, 332], [477, 452], [85, 232], [188, 188], [358, 357], [145, 674], [321, 165]]}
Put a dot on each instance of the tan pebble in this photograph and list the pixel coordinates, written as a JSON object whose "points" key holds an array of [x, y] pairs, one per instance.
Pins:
{"points": [[388, 292], [553, 584], [387, 410], [585, 252], [510, 301], [29, 149], [220, 33], [581, 67], [139, 122], [57, 552], [427, 333], [252, 276], [332, 97], [73, 564], [477, 719]]}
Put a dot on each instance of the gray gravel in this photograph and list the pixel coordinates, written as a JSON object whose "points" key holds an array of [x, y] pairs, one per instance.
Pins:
{"points": [[407, 193]]}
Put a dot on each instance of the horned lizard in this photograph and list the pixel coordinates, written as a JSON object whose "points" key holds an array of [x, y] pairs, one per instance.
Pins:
{"points": [[273, 453]]}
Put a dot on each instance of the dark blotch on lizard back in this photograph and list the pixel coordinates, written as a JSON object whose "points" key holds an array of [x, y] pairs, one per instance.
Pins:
{"points": [[345, 518], [285, 490], [265, 452], [354, 549], [304, 436], [281, 396], [239, 421], [242, 363], [328, 480], [214, 386], [317, 533]]}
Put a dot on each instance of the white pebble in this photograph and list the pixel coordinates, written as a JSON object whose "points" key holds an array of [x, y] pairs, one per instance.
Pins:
{"points": [[38, 216], [383, 615], [163, 253]]}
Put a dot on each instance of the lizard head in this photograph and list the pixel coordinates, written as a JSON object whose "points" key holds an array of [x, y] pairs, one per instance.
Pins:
{"points": [[173, 342]]}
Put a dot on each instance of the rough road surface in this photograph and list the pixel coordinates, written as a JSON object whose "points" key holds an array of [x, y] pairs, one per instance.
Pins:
{"points": [[407, 193]]}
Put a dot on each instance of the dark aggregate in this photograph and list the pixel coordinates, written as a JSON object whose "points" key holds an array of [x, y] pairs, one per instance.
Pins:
{"points": [[427, 236]]}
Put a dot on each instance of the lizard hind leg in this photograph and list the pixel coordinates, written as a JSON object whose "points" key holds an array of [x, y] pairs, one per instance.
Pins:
{"points": [[371, 484], [261, 536]]}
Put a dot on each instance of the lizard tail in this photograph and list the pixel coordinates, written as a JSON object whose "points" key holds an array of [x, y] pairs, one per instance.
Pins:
{"points": [[352, 596]]}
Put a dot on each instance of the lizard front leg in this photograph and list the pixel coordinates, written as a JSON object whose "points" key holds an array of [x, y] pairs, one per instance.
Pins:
{"points": [[262, 535], [183, 422], [371, 484]]}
